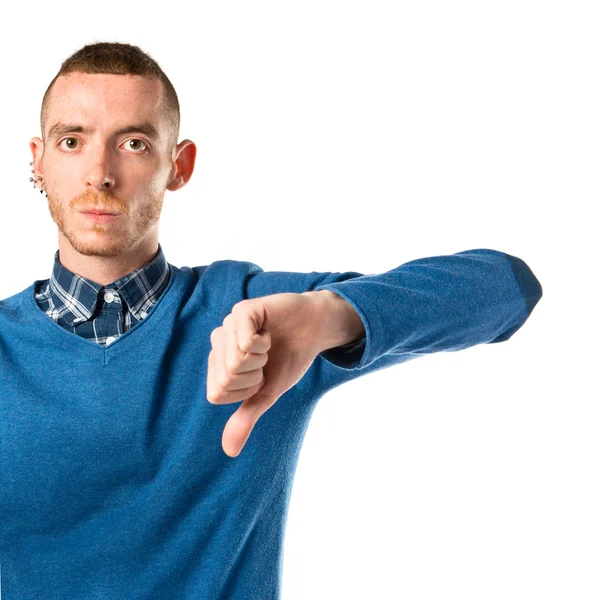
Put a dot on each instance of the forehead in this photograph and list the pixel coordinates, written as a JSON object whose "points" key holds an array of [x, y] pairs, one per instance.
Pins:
{"points": [[105, 97]]}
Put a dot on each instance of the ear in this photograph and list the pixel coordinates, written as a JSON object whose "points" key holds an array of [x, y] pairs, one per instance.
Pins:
{"points": [[36, 145], [185, 158]]}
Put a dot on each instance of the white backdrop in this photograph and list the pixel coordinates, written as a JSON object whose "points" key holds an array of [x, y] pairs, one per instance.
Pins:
{"points": [[338, 136]]}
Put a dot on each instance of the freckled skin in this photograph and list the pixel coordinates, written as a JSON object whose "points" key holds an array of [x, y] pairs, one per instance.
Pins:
{"points": [[126, 173]]}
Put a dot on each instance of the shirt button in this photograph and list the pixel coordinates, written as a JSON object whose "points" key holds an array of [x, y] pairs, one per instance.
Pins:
{"points": [[109, 296], [110, 340]]}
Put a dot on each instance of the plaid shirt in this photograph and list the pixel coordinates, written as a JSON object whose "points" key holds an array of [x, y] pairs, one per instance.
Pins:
{"points": [[97, 312]]}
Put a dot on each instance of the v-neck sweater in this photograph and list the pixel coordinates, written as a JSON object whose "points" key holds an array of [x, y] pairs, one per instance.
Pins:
{"points": [[113, 481]]}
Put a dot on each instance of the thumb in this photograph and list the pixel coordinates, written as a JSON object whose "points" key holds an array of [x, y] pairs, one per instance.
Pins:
{"points": [[241, 423], [236, 434]]}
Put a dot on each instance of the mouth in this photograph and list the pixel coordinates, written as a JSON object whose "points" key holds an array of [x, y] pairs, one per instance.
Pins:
{"points": [[95, 211], [100, 217]]}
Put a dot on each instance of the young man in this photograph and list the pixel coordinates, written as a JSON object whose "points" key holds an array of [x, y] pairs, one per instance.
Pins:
{"points": [[122, 473]]}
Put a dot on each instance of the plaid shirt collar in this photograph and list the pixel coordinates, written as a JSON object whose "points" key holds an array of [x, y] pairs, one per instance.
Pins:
{"points": [[75, 297]]}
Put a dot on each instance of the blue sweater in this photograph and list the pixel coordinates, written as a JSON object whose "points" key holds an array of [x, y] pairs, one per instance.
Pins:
{"points": [[113, 481]]}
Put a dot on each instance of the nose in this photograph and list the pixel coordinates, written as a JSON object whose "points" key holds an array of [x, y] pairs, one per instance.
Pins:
{"points": [[100, 174]]}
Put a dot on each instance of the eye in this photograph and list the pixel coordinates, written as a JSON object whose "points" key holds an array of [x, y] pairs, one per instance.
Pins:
{"points": [[136, 140], [66, 139]]}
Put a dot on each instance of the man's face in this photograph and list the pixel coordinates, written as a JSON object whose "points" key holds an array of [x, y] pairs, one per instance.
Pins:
{"points": [[125, 173]]}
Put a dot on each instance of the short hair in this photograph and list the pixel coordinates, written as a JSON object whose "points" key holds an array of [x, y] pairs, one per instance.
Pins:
{"points": [[120, 59]]}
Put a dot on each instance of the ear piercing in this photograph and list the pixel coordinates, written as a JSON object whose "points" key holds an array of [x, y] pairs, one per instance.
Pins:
{"points": [[38, 178]]}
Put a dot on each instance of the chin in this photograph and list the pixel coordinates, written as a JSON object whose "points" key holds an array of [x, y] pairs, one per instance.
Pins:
{"points": [[98, 245]]}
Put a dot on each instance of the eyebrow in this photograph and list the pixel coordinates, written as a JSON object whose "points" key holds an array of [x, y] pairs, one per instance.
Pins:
{"points": [[145, 128]]}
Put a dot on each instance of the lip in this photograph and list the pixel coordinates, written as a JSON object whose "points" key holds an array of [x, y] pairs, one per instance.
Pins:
{"points": [[98, 211], [98, 217]]}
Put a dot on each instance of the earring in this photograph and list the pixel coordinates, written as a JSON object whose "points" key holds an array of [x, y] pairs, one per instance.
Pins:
{"points": [[38, 178]]}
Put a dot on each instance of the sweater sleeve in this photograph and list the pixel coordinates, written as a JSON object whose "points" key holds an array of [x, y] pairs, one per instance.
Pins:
{"points": [[440, 303]]}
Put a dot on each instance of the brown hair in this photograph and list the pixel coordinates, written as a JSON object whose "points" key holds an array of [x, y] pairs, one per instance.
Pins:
{"points": [[119, 59]]}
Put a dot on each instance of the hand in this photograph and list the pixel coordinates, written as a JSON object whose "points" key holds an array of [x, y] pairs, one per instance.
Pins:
{"points": [[263, 348]]}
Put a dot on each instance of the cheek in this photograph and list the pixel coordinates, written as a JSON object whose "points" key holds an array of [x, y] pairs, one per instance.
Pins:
{"points": [[61, 181], [157, 183]]}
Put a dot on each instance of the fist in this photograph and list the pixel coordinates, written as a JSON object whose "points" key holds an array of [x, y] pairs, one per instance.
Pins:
{"points": [[263, 348], [235, 370]]}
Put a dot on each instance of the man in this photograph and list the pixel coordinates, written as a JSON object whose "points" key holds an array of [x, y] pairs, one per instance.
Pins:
{"points": [[121, 376]]}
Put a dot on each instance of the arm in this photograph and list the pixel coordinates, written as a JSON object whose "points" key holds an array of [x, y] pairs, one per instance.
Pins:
{"points": [[269, 342], [440, 303], [434, 304]]}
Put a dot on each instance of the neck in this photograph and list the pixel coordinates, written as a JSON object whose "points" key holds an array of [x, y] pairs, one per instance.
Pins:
{"points": [[104, 264]]}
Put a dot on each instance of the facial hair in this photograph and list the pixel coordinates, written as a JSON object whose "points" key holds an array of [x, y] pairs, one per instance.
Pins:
{"points": [[110, 239]]}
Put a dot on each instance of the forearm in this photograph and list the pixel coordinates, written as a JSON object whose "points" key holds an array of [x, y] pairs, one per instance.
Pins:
{"points": [[443, 303]]}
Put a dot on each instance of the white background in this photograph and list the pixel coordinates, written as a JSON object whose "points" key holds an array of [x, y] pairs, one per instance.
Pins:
{"points": [[337, 136]]}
